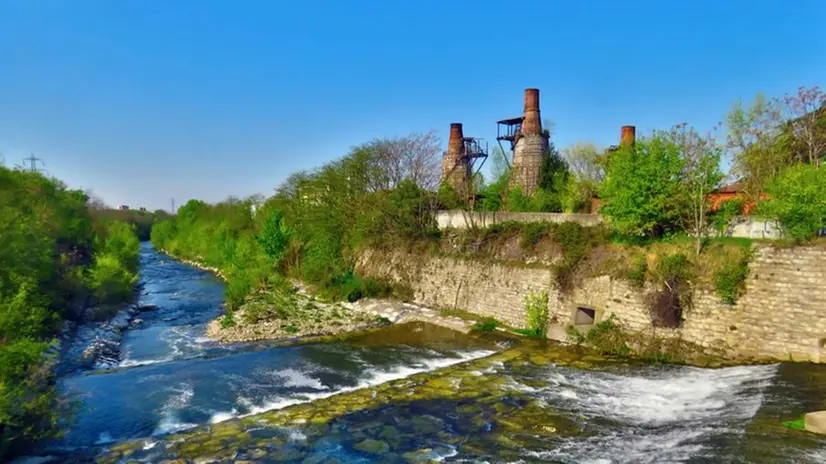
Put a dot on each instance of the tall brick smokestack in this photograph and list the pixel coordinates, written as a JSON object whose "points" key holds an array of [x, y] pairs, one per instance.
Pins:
{"points": [[628, 137], [532, 124], [455, 168], [530, 147]]}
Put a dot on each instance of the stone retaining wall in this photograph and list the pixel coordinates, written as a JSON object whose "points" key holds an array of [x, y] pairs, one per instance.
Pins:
{"points": [[782, 315], [459, 219]]}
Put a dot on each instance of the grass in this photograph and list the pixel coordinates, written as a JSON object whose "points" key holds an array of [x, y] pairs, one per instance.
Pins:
{"points": [[487, 324], [798, 424]]}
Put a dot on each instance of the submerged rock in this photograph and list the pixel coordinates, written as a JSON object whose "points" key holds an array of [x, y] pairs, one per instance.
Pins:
{"points": [[372, 446]]}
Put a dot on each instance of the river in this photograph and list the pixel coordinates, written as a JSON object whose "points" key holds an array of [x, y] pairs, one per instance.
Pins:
{"points": [[491, 406]]}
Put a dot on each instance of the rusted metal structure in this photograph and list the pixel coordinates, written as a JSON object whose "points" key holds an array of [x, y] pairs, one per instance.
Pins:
{"points": [[464, 157], [528, 142]]}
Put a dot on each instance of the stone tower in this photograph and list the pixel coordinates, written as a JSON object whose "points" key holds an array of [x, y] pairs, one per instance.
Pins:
{"points": [[530, 146], [455, 166]]}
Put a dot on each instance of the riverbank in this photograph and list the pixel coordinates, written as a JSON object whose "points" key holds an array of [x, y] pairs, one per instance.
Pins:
{"points": [[295, 313]]}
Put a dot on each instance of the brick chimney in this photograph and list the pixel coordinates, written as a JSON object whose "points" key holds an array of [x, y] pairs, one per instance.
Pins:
{"points": [[628, 137], [455, 168], [532, 123]]}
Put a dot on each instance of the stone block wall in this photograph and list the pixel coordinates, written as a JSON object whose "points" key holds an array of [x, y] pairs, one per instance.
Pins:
{"points": [[782, 314]]}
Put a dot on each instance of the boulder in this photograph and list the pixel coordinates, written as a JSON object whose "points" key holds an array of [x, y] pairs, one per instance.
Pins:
{"points": [[372, 446], [815, 422], [147, 307]]}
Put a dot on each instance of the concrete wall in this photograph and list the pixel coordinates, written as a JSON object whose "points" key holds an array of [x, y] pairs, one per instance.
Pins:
{"points": [[782, 314], [743, 226], [749, 227], [458, 219]]}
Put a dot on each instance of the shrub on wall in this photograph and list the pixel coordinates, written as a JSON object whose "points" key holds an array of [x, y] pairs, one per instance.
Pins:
{"points": [[730, 280], [536, 307], [666, 304], [608, 338]]}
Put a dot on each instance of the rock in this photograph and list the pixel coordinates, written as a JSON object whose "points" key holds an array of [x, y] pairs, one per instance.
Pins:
{"points": [[137, 321], [147, 307], [815, 422], [372, 446]]}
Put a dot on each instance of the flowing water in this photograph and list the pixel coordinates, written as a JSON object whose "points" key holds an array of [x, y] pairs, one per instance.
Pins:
{"points": [[523, 404]]}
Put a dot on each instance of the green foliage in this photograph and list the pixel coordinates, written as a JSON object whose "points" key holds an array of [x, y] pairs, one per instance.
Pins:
{"points": [[636, 274], [533, 232], [51, 245], [228, 320], [275, 236], [643, 191], [798, 201], [799, 424], [730, 280], [493, 196], [574, 336], [727, 211], [143, 221], [536, 307], [486, 325], [111, 280], [448, 198], [554, 173], [577, 242], [608, 338]]}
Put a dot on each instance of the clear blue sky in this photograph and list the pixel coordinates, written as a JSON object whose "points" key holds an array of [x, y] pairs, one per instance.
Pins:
{"points": [[145, 100]]}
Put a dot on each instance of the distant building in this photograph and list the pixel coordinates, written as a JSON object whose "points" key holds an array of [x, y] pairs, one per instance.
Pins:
{"points": [[732, 192], [123, 207]]}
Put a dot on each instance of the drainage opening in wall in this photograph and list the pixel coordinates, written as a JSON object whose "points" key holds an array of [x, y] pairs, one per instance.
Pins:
{"points": [[585, 316]]}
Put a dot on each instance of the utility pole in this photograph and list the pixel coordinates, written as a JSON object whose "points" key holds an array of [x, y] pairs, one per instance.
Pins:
{"points": [[32, 162], [173, 206]]}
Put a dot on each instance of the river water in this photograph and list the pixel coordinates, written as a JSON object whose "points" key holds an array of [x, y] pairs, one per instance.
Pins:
{"points": [[169, 378]]}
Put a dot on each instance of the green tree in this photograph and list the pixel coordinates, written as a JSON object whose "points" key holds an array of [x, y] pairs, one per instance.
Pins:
{"points": [[701, 173], [587, 165], [643, 190], [798, 201], [755, 141]]}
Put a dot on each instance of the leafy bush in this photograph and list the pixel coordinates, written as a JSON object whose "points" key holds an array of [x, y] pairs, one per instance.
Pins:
{"points": [[275, 236], [536, 307], [608, 338], [228, 320], [729, 281], [576, 242], [532, 233], [727, 211], [111, 280], [798, 201], [574, 336], [639, 267]]}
